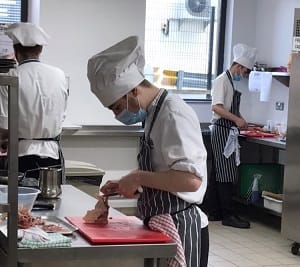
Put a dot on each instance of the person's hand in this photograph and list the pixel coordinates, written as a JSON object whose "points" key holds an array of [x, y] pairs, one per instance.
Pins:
{"points": [[129, 185], [111, 186], [255, 128], [241, 123]]}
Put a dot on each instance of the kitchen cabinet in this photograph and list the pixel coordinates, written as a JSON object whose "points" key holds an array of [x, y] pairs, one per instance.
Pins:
{"points": [[265, 156], [291, 208]]}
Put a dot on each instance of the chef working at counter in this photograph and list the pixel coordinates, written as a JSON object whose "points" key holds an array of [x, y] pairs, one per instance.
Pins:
{"points": [[42, 101], [226, 121], [172, 158]]}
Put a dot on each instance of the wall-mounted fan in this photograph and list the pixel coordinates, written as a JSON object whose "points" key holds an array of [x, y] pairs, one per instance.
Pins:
{"points": [[196, 7]]}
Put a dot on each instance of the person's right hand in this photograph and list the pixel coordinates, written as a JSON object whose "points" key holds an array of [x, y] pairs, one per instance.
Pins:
{"points": [[111, 186], [241, 123]]}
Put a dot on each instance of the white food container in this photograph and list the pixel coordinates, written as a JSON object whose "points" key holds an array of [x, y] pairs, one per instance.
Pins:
{"points": [[272, 204]]}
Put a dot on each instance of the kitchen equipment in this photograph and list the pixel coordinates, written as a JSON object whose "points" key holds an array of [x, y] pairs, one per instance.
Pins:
{"points": [[40, 205], [50, 179], [83, 175], [65, 228], [272, 204], [26, 196], [119, 230]]}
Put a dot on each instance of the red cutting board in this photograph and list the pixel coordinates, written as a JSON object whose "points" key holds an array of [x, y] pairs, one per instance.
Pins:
{"points": [[257, 134], [119, 230]]}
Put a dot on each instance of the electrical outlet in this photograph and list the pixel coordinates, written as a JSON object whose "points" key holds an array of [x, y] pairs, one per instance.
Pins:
{"points": [[279, 105]]}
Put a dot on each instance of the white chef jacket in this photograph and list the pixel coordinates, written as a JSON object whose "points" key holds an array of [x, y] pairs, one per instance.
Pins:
{"points": [[42, 106], [178, 145], [222, 93]]}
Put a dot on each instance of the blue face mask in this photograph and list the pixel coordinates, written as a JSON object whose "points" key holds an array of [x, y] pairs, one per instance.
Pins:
{"points": [[237, 77], [127, 117]]}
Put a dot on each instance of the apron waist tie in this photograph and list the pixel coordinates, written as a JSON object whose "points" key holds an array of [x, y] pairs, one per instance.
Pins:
{"points": [[165, 224], [61, 156], [56, 139], [223, 126]]}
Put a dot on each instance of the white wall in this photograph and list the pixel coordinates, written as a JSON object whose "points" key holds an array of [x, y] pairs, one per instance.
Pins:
{"points": [[79, 29], [116, 155]]}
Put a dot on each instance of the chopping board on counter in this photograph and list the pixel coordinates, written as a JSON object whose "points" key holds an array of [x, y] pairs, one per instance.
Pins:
{"points": [[119, 230], [257, 134]]}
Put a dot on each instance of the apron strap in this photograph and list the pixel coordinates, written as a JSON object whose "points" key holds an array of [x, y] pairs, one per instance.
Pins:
{"points": [[160, 101], [230, 79], [56, 139]]}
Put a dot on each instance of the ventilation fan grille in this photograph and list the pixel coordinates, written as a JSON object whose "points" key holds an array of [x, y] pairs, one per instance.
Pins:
{"points": [[197, 7]]}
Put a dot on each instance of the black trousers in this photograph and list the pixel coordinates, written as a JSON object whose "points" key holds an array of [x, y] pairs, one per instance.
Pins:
{"points": [[225, 195], [27, 163], [218, 200], [204, 247]]}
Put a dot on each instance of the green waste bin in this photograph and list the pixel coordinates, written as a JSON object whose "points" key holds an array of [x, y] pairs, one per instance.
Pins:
{"points": [[271, 177]]}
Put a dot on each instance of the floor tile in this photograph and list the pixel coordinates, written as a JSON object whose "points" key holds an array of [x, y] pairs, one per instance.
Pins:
{"points": [[259, 246]]}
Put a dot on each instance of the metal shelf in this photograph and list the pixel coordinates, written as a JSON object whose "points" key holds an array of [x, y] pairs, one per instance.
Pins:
{"points": [[283, 77], [8, 245]]}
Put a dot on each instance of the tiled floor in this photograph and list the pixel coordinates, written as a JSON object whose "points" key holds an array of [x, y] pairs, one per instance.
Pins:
{"points": [[259, 246]]}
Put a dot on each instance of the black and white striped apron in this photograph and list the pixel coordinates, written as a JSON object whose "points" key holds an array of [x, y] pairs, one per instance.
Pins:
{"points": [[226, 169], [153, 202]]}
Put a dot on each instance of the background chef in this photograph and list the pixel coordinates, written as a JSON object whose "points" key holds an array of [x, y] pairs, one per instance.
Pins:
{"points": [[226, 117], [42, 100]]}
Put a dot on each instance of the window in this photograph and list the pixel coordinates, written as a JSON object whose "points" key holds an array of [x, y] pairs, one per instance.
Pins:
{"points": [[13, 11], [181, 45]]}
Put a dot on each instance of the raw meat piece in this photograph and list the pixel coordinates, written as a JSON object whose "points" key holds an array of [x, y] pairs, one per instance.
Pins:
{"points": [[99, 214]]}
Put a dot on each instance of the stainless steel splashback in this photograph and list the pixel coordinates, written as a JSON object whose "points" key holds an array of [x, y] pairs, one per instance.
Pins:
{"points": [[291, 204]]}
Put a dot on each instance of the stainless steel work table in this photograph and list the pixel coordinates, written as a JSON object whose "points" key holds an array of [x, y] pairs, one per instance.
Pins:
{"points": [[267, 141], [271, 146], [74, 202]]}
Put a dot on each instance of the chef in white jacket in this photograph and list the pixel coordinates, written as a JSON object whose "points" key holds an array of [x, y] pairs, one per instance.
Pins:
{"points": [[226, 121], [42, 100], [172, 159]]}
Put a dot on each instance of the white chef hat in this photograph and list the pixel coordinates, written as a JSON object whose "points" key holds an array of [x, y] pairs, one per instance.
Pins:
{"points": [[27, 34], [116, 71], [244, 55]]}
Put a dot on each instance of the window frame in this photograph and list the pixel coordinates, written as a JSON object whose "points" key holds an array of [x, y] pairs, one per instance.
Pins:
{"points": [[191, 96], [23, 13]]}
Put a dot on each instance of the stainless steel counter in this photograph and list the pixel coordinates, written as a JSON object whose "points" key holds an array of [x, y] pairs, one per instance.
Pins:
{"points": [[105, 130], [272, 142], [74, 202], [112, 130]]}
